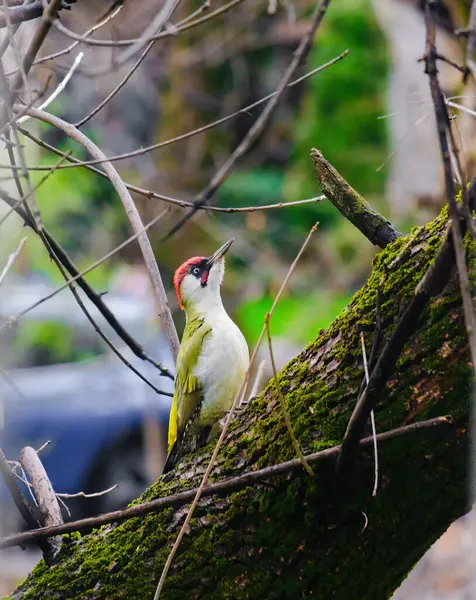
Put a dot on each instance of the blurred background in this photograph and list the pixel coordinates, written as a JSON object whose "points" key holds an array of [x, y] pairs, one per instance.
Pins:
{"points": [[370, 114]]}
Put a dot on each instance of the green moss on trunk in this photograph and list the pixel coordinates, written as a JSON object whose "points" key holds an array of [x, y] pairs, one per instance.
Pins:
{"points": [[298, 537]]}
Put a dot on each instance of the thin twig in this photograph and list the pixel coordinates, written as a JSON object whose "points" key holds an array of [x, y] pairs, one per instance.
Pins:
{"points": [[444, 129], [58, 89], [11, 259], [175, 201], [118, 87], [24, 198], [94, 297], [37, 40], [84, 495], [183, 136], [164, 34], [43, 446], [432, 283], [153, 28], [372, 416], [236, 402], [258, 126], [226, 486], [24, 479], [282, 401], [80, 274], [135, 220], [74, 45], [470, 47]]}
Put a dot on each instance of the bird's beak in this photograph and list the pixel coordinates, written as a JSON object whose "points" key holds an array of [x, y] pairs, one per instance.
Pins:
{"points": [[220, 252]]}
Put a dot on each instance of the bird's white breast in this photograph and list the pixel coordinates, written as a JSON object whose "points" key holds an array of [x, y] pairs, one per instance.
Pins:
{"points": [[221, 366]]}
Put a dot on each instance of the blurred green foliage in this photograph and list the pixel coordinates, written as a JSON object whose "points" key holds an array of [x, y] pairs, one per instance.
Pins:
{"points": [[337, 113], [297, 318], [340, 109], [50, 342], [79, 208], [255, 186]]}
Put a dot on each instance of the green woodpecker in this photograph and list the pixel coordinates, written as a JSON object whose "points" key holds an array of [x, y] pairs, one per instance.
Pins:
{"points": [[212, 359]]}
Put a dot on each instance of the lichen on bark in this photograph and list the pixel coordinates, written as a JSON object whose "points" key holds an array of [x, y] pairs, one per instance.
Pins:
{"points": [[297, 536]]}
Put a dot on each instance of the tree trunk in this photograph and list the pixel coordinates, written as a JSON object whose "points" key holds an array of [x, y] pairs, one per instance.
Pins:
{"points": [[297, 536]]}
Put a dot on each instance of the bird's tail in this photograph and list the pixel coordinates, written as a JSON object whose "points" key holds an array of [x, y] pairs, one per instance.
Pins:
{"points": [[188, 442], [172, 458]]}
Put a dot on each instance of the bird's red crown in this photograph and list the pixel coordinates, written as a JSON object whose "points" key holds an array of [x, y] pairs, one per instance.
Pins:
{"points": [[180, 274]]}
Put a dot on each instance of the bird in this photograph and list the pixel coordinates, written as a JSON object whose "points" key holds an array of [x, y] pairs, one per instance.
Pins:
{"points": [[212, 360]]}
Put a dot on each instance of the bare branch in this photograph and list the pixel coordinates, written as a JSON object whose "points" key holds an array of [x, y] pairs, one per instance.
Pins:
{"points": [[258, 126], [74, 45], [444, 129], [59, 88], [118, 87], [84, 495], [43, 446], [164, 34], [37, 41], [11, 259], [226, 486], [431, 284], [179, 138], [372, 417], [21, 14], [350, 203], [134, 218], [158, 22], [95, 298], [282, 401], [19, 500], [471, 45], [45, 497]]}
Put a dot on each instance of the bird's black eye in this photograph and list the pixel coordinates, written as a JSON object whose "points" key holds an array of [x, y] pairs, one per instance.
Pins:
{"points": [[195, 270]]}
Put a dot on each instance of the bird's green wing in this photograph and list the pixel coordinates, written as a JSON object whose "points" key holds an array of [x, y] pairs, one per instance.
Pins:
{"points": [[187, 391]]}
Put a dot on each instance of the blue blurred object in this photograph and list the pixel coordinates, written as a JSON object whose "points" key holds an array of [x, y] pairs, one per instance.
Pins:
{"points": [[93, 412]]}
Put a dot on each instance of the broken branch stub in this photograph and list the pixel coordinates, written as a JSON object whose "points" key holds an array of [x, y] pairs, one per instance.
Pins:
{"points": [[45, 497], [376, 228]]}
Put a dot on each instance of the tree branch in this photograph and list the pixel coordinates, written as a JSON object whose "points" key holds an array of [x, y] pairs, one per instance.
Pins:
{"points": [[93, 296], [133, 215], [432, 284], [258, 126], [20, 14], [351, 204], [444, 130], [45, 497], [227, 486]]}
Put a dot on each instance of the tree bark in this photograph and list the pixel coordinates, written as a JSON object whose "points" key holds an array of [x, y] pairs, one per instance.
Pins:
{"points": [[297, 536]]}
